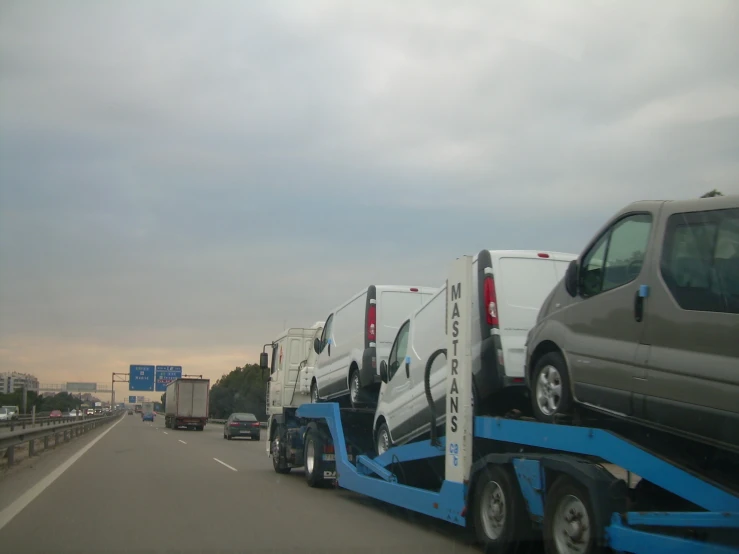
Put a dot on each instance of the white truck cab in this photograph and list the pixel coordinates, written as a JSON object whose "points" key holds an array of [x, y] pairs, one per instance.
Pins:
{"points": [[292, 363]]}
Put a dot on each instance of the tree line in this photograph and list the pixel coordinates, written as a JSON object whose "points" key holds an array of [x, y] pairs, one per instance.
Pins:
{"points": [[63, 401]]}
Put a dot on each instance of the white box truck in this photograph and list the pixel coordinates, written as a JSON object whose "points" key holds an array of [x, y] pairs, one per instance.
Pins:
{"points": [[186, 403]]}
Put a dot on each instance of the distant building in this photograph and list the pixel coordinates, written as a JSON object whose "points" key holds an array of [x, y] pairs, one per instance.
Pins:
{"points": [[11, 381]]}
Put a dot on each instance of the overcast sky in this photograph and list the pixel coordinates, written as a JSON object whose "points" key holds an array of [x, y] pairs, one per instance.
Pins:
{"points": [[180, 179]]}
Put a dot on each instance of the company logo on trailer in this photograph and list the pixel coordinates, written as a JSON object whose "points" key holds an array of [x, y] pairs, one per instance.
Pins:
{"points": [[453, 408]]}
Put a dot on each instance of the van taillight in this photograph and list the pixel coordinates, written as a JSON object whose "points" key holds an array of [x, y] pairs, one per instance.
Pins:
{"points": [[542, 255], [491, 301], [371, 322]]}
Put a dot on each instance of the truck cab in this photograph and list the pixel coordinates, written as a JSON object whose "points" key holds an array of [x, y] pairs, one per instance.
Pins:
{"points": [[291, 368]]}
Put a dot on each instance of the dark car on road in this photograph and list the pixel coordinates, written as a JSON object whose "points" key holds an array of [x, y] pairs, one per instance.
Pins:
{"points": [[241, 425]]}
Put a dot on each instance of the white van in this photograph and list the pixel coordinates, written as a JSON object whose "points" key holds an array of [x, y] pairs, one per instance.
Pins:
{"points": [[511, 287], [356, 337]]}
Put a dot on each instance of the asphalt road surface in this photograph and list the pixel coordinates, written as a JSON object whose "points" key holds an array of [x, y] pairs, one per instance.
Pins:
{"points": [[139, 487]]}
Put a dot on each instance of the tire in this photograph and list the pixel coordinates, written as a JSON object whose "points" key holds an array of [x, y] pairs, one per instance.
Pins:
{"points": [[565, 499], [314, 393], [278, 460], [500, 519], [229, 437], [382, 439], [313, 461], [224, 436], [355, 389], [550, 388]]}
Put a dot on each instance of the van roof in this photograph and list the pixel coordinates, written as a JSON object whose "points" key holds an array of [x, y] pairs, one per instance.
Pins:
{"points": [[529, 254], [690, 204]]}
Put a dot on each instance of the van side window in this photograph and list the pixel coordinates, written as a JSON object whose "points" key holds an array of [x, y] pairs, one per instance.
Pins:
{"points": [[617, 258], [700, 260], [400, 348], [327, 331]]}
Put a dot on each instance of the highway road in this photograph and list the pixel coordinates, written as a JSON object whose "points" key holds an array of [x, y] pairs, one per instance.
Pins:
{"points": [[139, 487]]}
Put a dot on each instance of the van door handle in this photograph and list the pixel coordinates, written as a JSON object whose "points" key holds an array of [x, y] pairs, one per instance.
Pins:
{"points": [[641, 294], [408, 367]]}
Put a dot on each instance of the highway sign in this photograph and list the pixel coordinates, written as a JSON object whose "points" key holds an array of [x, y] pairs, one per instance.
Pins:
{"points": [[165, 374], [141, 377], [82, 387], [132, 400]]}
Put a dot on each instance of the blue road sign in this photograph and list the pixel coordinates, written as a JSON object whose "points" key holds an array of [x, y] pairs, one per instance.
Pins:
{"points": [[165, 374], [132, 400], [141, 377]]}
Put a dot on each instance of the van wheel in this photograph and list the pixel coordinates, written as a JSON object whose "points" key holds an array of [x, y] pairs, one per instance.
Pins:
{"points": [[550, 394], [355, 389], [382, 444]]}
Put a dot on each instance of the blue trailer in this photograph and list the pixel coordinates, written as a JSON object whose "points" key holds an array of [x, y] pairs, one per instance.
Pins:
{"points": [[514, 480]]}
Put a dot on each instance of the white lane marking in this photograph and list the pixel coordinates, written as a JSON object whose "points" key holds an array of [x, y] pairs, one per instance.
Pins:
{"points": [[225, 464], [165, 432], [183, 442], [27, 497]]}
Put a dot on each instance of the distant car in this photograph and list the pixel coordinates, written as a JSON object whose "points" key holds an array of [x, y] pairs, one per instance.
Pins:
{"points": [[90, 411], [56, 413], [4, 415], [130, 412], [148, 417], [12, 411], [241, 425]]}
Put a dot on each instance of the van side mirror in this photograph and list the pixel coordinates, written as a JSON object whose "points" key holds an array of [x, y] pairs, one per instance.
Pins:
{"points": [[317, 345], [264, 360], [383, 371], [571, 278]]}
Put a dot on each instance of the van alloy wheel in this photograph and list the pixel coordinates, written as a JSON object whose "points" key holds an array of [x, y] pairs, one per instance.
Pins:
{"points": [[549, 390], [383, 440]]}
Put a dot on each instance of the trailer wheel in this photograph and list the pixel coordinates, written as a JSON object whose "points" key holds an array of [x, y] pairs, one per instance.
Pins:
{"points": [[499, 515], [569, 520], [313, 457]]}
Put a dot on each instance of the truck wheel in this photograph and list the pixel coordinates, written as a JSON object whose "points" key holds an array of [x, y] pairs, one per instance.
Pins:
{"points": [[314, 394], [550, 388], [278, 460], [313, 458], [499, 516], [569, 520]]}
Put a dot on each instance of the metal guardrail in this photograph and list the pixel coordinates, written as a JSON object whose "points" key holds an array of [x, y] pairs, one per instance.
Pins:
{"points": [[9, 441], [24, 422]]}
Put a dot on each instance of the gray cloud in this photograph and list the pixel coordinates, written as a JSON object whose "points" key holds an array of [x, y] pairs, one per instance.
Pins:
{"points": [[182, 177]]}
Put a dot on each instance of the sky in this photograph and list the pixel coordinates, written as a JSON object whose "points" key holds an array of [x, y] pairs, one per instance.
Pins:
{"points": [[180, 180]]}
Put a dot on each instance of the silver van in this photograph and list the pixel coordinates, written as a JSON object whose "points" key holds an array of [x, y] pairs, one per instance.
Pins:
{"points": [[645, 323], [356, 337]]}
